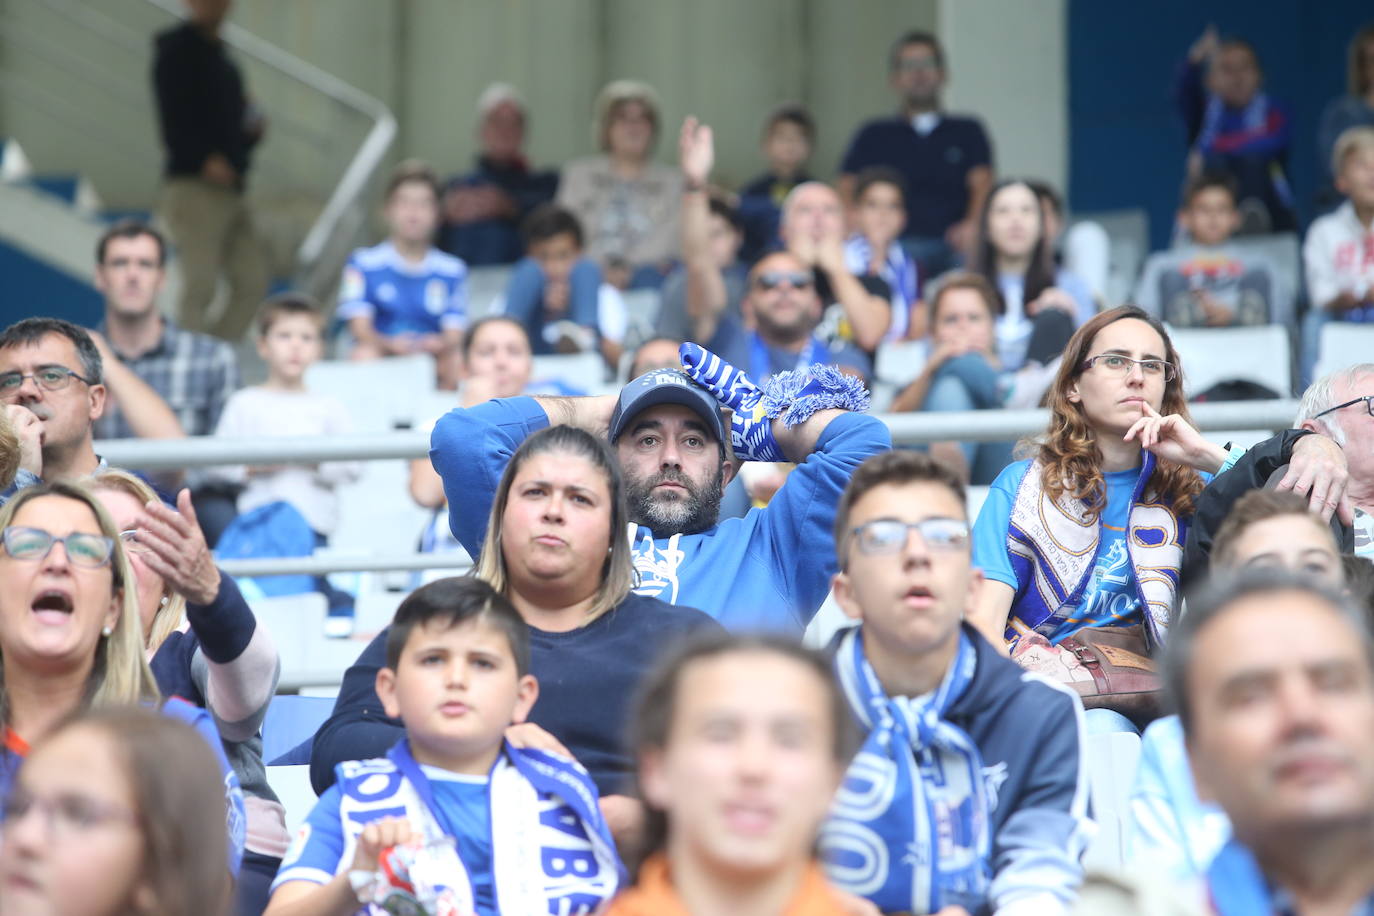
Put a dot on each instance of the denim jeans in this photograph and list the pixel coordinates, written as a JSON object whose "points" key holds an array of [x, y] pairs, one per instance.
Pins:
{"points": [[525, 299], [969, 382]]}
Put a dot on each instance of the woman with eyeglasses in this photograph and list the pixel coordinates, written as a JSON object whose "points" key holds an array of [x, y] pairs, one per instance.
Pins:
{"points": [[204, 646], [1089, 532], [118, 811], [69, 630]]}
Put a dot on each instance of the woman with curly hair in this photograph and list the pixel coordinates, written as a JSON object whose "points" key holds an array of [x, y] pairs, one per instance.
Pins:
{"points": [[1089, 531]]}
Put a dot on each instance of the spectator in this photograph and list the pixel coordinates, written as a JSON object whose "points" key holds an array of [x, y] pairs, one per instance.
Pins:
{"points": [[483, 209], [1354, 109], [193, 373], [37, 382], [1327, 460], [945, 159], [873, 250], [1208, 283], [132, 805], [1267, 529], [1280, 734], [767, 570], [655, 353], [1235, 127], [12, 451], [403, 295], [558, 295], [934, 698], [1060, 536], [789, 136], [962, 372], [741, 743], [290, 340], [1338, 255], [224, 662], [627, 203], [1014, 253], [555, 547], [1083, 248], [461, 801], [711, 280], [209, 128], [69, 632]]}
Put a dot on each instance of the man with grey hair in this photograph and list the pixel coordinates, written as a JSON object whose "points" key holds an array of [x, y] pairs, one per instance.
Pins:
{"points": [[1328, 456], [1280, 735]]}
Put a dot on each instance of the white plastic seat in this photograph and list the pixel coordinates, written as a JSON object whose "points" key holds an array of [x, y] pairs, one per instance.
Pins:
{"points": [[379, 394], [899, 361], [586, 371], [1343, 344], [1112, 761], [1260, 354], [292, 787]]}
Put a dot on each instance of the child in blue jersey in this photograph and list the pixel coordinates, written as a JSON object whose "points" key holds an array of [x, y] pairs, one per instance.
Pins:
{"points": [[874, 249], [1090, 532], [454, 816], [404, 295]]}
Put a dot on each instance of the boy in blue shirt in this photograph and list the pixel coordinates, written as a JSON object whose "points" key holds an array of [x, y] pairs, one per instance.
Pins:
{"points": [[454, 817], [404, 295]]}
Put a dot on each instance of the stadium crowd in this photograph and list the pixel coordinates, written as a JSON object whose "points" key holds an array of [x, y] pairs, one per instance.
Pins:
{"points": [[613, 711]]}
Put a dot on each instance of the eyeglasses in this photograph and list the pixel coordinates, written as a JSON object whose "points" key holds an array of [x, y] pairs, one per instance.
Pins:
{"points": [[1114, 364], [66, 815], [884, 536], [1368, 405], [917, 64], [132, 542], [772, 279], [49, 378], [89, 550]]}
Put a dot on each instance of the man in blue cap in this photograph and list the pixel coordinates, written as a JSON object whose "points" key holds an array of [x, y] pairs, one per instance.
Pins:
{"points": [[770, 569]]}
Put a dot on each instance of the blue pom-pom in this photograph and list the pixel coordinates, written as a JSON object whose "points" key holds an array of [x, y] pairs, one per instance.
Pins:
{"points": [[795, 396]]}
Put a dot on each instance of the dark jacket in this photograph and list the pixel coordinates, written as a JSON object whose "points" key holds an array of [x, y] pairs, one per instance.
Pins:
{"points": [[201, 103]]}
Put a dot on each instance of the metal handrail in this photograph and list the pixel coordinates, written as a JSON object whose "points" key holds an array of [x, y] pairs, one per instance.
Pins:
{"points": [[326, 563], [907, 429]]}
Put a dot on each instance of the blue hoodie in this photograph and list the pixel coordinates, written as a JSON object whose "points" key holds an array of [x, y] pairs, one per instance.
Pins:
{"points": [[769, 570]]}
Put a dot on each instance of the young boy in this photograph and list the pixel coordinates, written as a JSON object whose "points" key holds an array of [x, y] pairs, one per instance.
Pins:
{"points": [[290, 339], [404, 295], [454, 816], [1208, 283], [873, 250], [1338, 256], [789, 135], [558, 294], [969, 789]]}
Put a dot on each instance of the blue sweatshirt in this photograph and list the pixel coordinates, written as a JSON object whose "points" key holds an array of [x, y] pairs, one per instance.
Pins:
{"points": [[587, 678], [769, 570]]}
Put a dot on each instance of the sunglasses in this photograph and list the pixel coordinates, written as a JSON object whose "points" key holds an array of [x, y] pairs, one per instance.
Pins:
{"points": [[772, 279]]}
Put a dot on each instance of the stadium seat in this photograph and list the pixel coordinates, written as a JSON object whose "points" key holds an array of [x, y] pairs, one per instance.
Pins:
{"points": [[899, 361], [485, 285], [584, 371], [1112, 760], [379, 394], [1283, 252], [291, 720], [1344, 343], [1260, 354], [292, 787], [292, 620], [375, 610]]}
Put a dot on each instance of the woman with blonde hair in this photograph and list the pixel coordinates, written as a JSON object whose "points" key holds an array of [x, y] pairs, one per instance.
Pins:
{"points": [[557, 545], [69, 629], [203, 645]]}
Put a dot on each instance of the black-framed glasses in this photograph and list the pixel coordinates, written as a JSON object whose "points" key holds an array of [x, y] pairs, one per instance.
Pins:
{"points": [[1115, 364], [772, 279], [884, 536], [1368, 405], [83, 549], [49, 378]]}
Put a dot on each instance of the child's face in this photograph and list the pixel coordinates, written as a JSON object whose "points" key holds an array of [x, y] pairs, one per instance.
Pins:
{"points": [[963, 319], [556, 256], [292, 343], [880, 214], [1211, 216], [786, 147], [412, 213], [1356, 179], [457, 690], [724, 240]]}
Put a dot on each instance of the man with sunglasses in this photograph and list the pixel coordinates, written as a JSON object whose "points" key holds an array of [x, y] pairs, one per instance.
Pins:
{"points": [[1328, 457], [968, 794]]}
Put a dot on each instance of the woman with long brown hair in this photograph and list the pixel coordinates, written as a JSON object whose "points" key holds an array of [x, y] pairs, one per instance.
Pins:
{"points": [[1089, 532]]}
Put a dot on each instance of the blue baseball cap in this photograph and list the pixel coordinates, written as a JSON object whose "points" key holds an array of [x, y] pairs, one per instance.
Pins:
{"points": [[666, 386]]}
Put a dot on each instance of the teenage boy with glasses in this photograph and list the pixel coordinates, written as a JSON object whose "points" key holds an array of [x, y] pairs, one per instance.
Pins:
{"points": [[969, 792]]}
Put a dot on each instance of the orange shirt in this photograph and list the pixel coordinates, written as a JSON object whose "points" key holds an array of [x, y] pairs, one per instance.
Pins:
{"points": [[654, 895]]}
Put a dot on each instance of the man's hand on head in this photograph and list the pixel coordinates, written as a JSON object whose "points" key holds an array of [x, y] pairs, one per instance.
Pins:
{"points": [[29, 430], [1318, 471]]}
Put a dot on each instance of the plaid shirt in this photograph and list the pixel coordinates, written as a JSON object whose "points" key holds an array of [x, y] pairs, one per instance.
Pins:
{"points": [[194, 373]]}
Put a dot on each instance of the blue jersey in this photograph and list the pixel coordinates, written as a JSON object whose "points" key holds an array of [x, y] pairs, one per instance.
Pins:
{"points": [[401, 297]]}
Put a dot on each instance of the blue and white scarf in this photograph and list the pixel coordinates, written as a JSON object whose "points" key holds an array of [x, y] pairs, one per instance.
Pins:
{"points": [[551, 849], [909, 828], [1237, 887], [900, 273]]}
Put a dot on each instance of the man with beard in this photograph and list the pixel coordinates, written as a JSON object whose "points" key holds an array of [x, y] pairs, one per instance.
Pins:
{"points": [[768, 570]]}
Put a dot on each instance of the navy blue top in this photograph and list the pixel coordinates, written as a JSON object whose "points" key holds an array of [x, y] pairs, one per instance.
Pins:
{"points": [[935, 166], [587, 680]]}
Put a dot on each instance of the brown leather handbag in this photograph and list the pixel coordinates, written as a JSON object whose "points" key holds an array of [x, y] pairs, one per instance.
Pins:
{"points": [[1109, 668]]}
